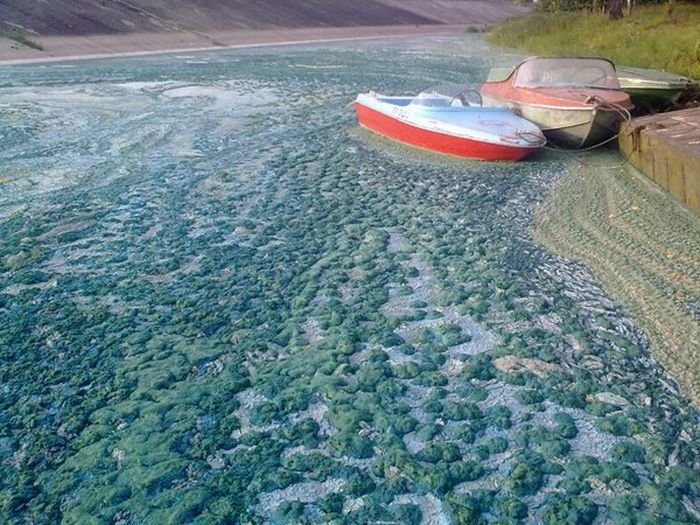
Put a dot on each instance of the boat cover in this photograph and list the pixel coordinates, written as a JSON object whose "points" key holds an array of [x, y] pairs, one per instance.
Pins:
{"points": [[548, 72]]}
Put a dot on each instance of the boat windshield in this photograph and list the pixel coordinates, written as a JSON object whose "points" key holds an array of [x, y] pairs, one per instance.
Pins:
{"points": [[448, 95], [432, 99], [566, 72]]}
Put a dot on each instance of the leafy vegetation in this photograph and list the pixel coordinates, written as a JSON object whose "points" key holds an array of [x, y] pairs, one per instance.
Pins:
{"points": [[22, 38], [648, 37]]}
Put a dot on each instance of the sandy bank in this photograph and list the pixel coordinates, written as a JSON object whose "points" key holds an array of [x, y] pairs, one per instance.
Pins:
{"points": [[63, 47]]}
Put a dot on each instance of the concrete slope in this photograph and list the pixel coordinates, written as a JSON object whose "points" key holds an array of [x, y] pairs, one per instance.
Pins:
{"points": [[460, 11], [86, 17]]}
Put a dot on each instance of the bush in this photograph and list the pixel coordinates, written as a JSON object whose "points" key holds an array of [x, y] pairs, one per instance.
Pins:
{"points": [[358, 483], [462, 471], [303, 433], [472, 392], [370, 512], [612, 471], [372, 374], [438, 479], [530, 397], [683, 480], [564, 510], [392, 339], [404, 424], [532, 435], [289, 513], [436, 452], [563, 5], [462, 512], [467, 509], [459, 411], [626, 504], [583, 467], [428, 432], [600, 409], [479, 367], [414, 315], [620, 425], [513, 508], [407, 514], [469, 432], [332, 503], [668, 503], [317, 466], [628, 452], [499, 416], [555, 448], [265, 414], [524, 479], [432, 408], [432, 379], [453, 295], [351, 444], [574, 487], [407, 370], [494, 445], [574, 397], [23, 39], [452, 335], [565, 426]]}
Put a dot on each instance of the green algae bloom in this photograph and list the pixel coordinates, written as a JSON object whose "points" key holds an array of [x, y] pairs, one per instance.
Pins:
{"points": [[222, 302]]}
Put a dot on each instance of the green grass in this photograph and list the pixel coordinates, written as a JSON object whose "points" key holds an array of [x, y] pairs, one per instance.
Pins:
{"points": [[648, 38], [21, 38]]}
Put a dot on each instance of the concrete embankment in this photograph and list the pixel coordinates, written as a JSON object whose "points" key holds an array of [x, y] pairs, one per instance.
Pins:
{"points": [[67, 28]]}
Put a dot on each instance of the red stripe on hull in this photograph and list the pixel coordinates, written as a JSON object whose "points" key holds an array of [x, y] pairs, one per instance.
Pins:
{"points": [[432, 140]]}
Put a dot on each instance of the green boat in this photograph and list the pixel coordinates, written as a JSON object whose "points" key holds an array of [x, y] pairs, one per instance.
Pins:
{"points": [[650, 88]]}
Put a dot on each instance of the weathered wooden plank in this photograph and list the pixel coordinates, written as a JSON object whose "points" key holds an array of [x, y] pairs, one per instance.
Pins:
{"points": [[666, 147]]}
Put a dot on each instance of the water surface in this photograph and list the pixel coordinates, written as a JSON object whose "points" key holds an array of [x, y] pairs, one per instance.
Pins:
{"points": [[223, 302]]}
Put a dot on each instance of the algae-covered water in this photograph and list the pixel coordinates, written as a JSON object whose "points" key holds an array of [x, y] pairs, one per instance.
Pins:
{"points": [[223, 302]]}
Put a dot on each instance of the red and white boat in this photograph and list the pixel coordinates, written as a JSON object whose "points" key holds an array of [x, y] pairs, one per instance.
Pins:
{"points": [[576, 101], [450, 124]]}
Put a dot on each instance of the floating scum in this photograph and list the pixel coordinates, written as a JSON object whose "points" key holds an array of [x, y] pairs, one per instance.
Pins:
{"points": [[224, 302]]}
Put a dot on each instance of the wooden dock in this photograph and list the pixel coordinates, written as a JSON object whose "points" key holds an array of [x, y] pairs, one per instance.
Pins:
{"points": [[666, 148]]}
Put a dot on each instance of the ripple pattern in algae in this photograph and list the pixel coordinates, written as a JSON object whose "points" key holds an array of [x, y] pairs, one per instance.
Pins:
{"points": [[645, 249]]}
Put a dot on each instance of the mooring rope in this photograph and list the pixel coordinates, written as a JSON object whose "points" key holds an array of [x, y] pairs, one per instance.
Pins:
{"points": [[600, 104], [610, 106], [531, 137]]}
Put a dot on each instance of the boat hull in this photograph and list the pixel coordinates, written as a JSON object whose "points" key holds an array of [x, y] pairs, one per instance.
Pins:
{"points": [[403, 131], [647, 98], [571, 127], [651, 89], [576, 101]]}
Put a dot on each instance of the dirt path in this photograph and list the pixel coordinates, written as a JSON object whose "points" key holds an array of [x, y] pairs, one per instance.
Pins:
{"points": [[645, 249]]}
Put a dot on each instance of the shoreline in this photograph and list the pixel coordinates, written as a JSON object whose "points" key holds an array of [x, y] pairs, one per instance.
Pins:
{"points": [[62, 48]]}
